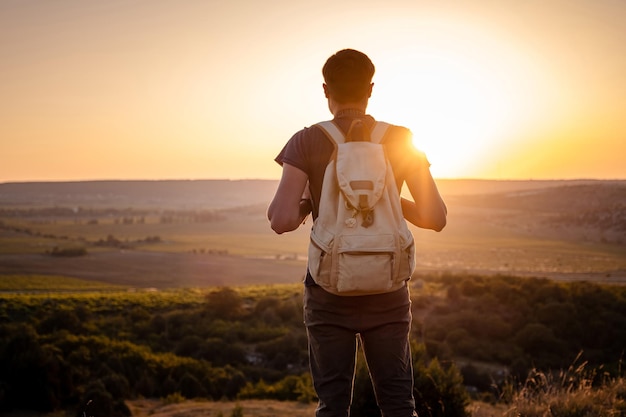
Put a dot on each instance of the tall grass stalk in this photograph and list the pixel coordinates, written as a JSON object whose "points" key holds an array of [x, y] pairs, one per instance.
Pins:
{"points": [[575, 392]]}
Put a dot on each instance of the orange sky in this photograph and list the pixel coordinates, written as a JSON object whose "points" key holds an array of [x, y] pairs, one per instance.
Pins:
{"points": [[152, 89]]}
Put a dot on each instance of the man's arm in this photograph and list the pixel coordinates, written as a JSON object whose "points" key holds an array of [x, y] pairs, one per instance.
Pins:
{"points": [[427, 210], [288, 210]]}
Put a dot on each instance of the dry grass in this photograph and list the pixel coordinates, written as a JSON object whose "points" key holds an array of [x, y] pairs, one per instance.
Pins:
{"points": [[251, 408], [570, 393], [482, 409]]}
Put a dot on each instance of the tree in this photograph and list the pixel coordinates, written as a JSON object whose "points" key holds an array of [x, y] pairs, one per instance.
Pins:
{"points": [[224, 303]]}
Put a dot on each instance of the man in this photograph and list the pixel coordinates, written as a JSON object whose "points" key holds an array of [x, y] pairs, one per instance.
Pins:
{"points": [[381, 321]]}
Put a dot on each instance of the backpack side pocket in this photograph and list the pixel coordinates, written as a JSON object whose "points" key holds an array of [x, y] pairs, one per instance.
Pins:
{"points": [[319, 261]]}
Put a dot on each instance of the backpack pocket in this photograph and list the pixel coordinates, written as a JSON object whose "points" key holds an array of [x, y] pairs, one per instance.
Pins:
{"points": [[319, 261], [365, 263], [407, 262]]}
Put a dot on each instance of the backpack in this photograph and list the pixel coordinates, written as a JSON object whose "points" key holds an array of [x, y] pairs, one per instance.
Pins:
{"points": [[360, 243]]}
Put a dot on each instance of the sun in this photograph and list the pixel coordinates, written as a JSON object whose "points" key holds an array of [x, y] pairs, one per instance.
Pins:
{"points": [[461, 103], [456, 112]]}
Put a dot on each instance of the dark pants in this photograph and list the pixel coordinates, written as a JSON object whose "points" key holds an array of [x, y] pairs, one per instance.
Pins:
{"points": [[382, 321]]}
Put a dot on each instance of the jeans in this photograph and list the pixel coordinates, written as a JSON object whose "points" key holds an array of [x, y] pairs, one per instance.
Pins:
{"points": [[382, 322]]}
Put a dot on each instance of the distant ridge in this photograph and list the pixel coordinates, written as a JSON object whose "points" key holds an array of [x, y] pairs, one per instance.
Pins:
{"points": [[454, 187], [168, 194], [211, 194]]}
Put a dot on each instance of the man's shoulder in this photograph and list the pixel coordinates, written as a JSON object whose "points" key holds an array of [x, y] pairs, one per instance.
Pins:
{"points": [[394, 126], [397, 133], [309, 137], [395, 129], [313, 129]]}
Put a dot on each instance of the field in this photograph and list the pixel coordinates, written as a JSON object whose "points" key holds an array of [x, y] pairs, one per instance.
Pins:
{"points": [[182, 234]]}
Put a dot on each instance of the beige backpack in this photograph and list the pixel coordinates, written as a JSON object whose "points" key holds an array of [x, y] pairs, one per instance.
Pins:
{"points": [[360, 242]]}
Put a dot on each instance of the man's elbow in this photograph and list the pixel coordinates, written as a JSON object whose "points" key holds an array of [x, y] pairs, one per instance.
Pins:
{"points": [[277, 222], [439, 218], [438, 225], [438, 221], [278, 228], [281, 226]]}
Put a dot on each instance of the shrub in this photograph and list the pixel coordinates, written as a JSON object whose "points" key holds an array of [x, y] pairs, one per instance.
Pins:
{"points": [[439, 391], [174, 398]]}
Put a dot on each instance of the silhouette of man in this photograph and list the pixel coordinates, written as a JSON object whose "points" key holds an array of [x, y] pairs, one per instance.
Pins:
{"points": [[333, 322]]}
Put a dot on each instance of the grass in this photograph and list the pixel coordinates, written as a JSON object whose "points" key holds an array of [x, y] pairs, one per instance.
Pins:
{"points": [[163, 408], [575, 392], [249, 408], [570, 393]]}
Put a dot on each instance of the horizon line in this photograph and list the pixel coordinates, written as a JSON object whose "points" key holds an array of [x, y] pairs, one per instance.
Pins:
{"points": [[40, 181]]}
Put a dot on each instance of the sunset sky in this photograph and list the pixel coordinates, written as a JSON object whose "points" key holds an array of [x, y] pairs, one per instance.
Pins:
{"points": [[155, 89]]}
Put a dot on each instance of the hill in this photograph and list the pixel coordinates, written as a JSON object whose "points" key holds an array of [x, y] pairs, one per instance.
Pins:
{"points": [[582, 211]]}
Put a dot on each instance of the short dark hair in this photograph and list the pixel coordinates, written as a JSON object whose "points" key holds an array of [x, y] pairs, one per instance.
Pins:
{"points": [[348, 75]]}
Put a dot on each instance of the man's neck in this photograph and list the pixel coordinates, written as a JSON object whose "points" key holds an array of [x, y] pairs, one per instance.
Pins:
{"points": [[349, 112], [335, 107], [338, 108]]}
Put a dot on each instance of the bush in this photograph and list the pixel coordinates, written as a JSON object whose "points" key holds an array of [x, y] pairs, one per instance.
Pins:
{"points": [[439, 391]]}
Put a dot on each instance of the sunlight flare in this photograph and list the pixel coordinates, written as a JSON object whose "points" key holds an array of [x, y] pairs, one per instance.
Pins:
{"points": [[461, 93]]}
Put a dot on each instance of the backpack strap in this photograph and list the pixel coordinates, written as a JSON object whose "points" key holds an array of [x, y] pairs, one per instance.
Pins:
{"points": [[337, 137], [332, 132], [379, 131]]}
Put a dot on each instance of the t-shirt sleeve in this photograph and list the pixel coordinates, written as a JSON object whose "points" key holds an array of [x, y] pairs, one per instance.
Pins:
{"points": [[404, 156], [293, 152]]}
